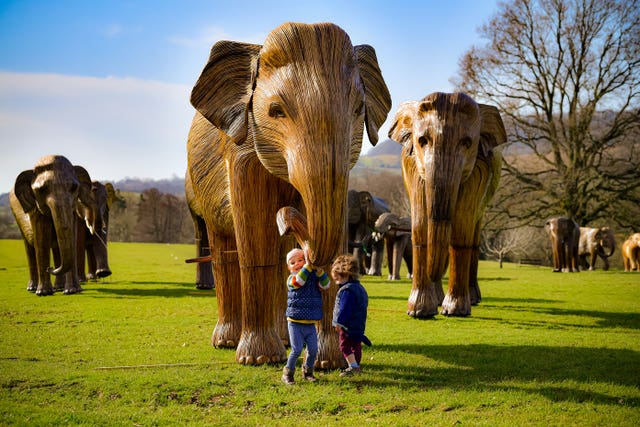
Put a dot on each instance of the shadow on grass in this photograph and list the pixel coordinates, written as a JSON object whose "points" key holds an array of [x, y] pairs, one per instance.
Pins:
{"points": [[490, 367], [177, 290], [601, 319]]}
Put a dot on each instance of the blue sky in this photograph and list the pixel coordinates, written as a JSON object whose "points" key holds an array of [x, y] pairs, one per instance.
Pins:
{"points": [[107, 83]]}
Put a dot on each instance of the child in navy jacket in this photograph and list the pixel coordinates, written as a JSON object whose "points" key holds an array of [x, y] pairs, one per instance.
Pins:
{"points": [[350, 311]]}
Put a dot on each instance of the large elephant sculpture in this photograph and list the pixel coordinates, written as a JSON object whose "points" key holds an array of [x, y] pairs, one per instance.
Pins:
{"points": [[46, 202], [94, 245], [363, 211], [396, 232], [278, 125], [450, 171], [565, 236], [631, 253], [204, 270], [594, 243]]}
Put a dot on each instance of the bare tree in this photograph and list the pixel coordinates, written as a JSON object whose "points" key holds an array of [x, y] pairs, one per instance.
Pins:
{"points": [[565, 75]]}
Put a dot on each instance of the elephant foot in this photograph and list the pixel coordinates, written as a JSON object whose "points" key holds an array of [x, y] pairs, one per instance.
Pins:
{"points": [[31, 287], [205, 286], [103, 272], [43, 291], [258, 349], [452, 306], [329, 354], [393, 277], [557, 270], [73, 290], [423, 303], [225, 334]]}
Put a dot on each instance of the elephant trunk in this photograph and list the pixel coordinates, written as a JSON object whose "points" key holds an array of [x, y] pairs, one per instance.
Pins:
{"points": [[441, 195], [63, 220]]}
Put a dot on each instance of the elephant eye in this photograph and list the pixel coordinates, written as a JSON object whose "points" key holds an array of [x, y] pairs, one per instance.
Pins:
{"points": [[423, 141], [276, 111], [359, 110], [73, 187], [466, 142]]}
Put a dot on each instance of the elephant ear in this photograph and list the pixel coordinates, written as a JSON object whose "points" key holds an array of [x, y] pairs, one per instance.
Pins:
{"points": [[492, 131], [377, 99], [24, 193], [111, 194], [402, 126], [84, 191], [223, 90]]}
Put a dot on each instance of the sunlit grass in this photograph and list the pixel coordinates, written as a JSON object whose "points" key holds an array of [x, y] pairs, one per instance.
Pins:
{"points": [[542, 348]]}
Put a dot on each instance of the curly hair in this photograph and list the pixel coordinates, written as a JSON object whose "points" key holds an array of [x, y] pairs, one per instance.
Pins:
{"points": [[346, 264]]}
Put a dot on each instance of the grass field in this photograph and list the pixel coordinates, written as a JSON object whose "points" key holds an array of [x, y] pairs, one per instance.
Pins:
{"points": [[542, 348]]}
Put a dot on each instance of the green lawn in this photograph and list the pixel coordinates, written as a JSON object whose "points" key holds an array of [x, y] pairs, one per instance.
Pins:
{"points": [[542, 348]]}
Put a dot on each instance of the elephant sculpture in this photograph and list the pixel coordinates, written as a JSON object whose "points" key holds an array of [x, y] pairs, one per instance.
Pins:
{"points": [[278, 125], [396, 231], [631, 253], [594, 243], [565, 236], [363, 211], [46, 202], [204, 270], [451, 170], [94, 245]]}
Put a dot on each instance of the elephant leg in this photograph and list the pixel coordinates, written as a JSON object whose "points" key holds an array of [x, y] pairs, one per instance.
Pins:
{"points": [[42, 231], [592, 262], [204, 271], [457, 302], [397, 260], [474, 288], [226, 272], [257, 238], [408, 255], [423, 299], [33, 267], [82, 245], [58, 281], [389, 243]]}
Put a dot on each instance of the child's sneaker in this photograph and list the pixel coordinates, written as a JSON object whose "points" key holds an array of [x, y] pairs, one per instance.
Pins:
{"points": [[350, 371]]}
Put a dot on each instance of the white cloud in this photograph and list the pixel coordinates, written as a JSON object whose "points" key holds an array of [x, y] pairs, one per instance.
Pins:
{"points": [[207, 36], [114, 127]]}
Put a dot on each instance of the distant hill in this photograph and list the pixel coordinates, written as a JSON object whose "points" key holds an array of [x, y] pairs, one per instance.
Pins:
{"points": [[386, 147], [174, 185]]}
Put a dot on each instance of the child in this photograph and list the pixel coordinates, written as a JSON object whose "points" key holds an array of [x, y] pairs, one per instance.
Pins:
{"points": [[304, 309], [350, 311]]}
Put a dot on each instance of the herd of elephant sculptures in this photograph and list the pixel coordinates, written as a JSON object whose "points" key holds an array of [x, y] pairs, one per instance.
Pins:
{"points": [[277, 129]]}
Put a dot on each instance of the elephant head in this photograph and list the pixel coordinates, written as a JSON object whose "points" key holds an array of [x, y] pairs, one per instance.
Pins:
{"points": [[52, 192], [302, 99], [606, 242], [442, 135]]}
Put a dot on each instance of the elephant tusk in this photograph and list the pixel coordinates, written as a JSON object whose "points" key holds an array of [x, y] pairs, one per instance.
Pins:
{"points": [[290, 220]]}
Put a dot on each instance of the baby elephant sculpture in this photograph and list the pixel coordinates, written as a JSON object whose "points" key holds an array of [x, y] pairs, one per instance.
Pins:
{"points": [[396, 232], [363, 211], [204, 271], [94, 245], [565, 235], [278, 125], [46, 202], [450, 171], [631, 253], [594, 243]]}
